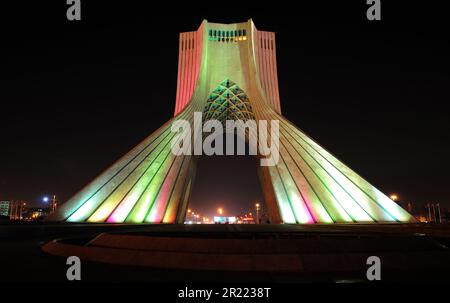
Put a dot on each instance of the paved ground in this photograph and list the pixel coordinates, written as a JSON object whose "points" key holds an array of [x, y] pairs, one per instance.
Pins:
{"points": [[23, 259]]}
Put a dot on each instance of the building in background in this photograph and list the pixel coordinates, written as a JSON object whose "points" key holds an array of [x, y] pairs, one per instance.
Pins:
{"points": [[194, 217], [224, 220], [13, 209], [4, 209], [35, 214]]}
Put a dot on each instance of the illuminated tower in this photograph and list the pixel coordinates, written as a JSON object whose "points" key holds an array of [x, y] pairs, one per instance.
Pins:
{"points": [[229, 71]]}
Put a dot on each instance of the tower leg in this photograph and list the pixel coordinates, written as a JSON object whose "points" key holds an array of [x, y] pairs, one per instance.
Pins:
{"points": [[181, 215], [269, 195]]}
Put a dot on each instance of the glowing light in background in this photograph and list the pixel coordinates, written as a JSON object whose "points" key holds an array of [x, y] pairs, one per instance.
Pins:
{"points": [[394, 197]]}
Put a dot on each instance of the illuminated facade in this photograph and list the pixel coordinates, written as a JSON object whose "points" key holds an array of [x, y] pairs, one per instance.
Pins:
{"points": [[229, 71]]}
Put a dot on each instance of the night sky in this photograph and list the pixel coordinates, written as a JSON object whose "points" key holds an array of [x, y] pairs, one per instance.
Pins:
{"points": [[75, 96]]}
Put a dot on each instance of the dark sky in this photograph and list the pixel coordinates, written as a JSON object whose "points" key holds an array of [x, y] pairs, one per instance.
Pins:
{"points": [[75, 96]]}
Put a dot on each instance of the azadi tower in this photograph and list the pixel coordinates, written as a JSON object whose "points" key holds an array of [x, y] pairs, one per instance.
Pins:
{"points": [[229, 71]]}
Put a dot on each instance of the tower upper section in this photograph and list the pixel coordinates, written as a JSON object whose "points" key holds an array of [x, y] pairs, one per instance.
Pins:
{"points": [[235, 51]]}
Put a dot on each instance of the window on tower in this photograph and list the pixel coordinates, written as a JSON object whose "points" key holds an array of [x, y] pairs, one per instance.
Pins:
{"points": [[227, 36]]}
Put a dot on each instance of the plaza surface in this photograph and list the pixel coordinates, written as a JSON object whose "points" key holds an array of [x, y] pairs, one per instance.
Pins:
{"points": [[413, 252]]}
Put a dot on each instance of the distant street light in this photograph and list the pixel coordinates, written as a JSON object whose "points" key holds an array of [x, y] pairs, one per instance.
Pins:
{"points": [[45, 199], [54, 204], [22, 205], [220, 211], [257, 206]]}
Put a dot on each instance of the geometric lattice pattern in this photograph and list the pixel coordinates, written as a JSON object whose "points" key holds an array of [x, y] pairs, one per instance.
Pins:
{"points": [[228, 102]]}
